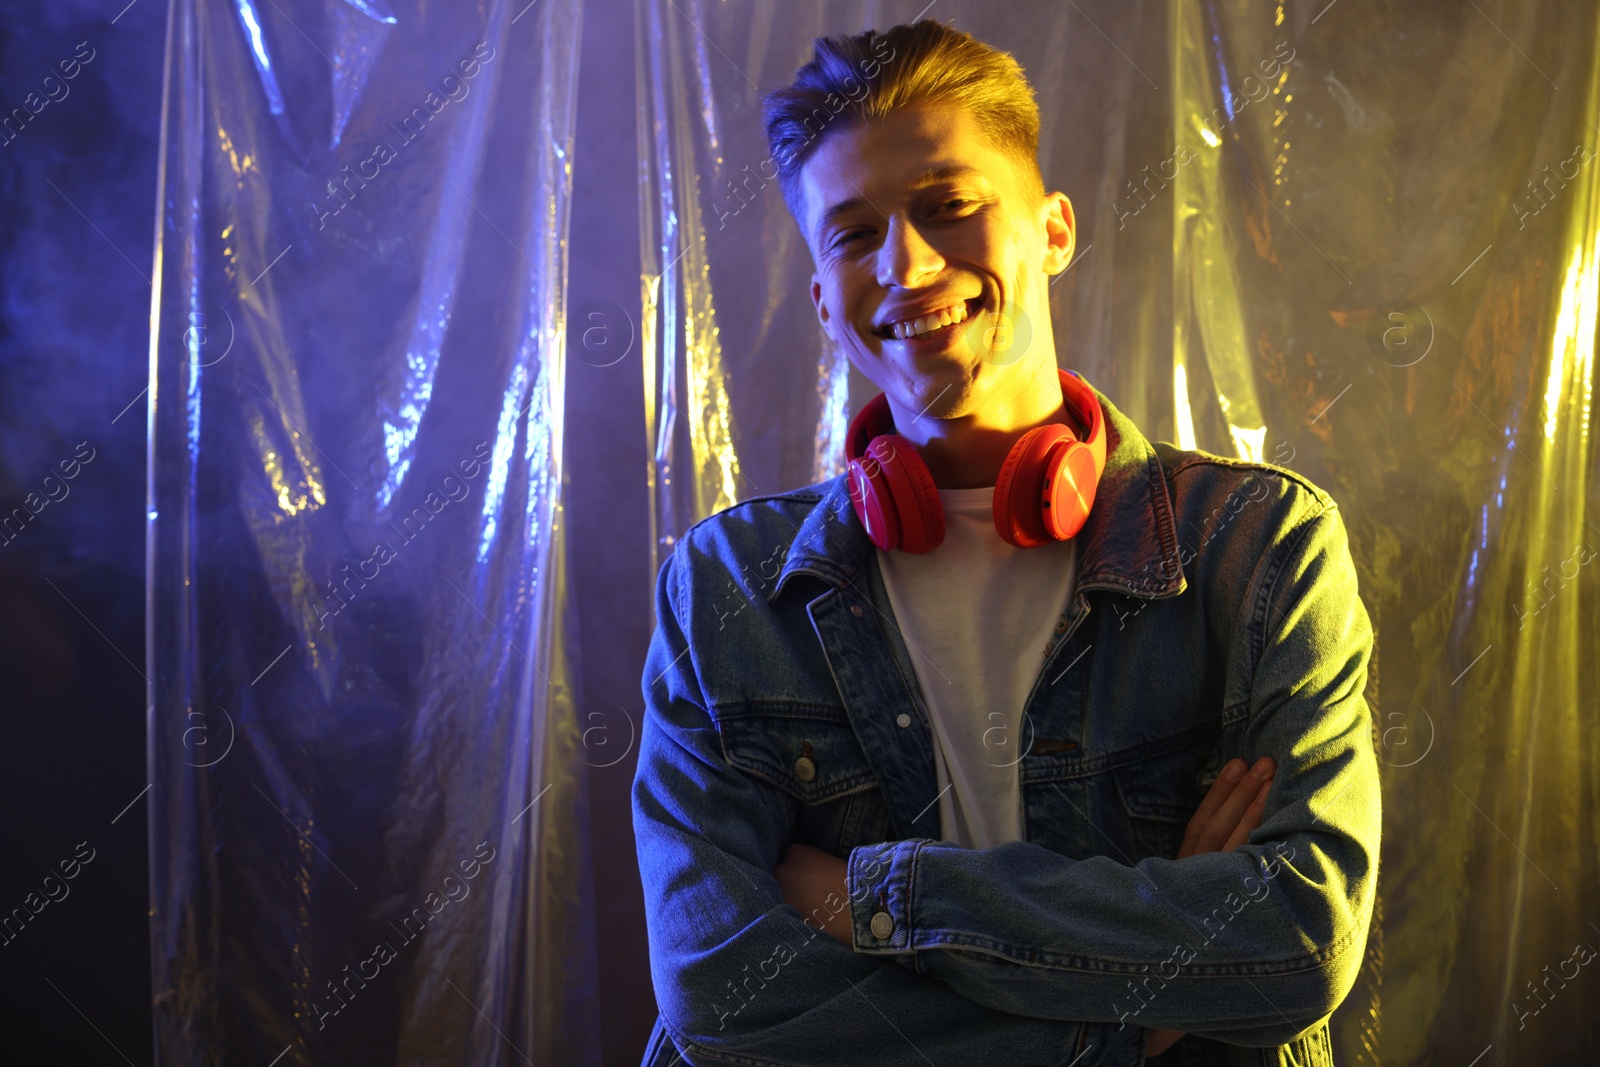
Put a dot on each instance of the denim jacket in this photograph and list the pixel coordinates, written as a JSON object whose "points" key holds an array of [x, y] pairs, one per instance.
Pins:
{"points": [[1215, 615]]}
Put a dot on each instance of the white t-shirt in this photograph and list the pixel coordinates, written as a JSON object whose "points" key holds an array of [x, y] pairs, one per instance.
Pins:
{"points": [[976, 615]]}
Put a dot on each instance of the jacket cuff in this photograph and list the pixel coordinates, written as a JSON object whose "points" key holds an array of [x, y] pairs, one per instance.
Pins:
{"points": [[879, 880]]}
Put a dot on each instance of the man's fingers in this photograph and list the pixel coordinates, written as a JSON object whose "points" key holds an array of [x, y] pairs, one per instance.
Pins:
{"points": [[1214, 824], [1251, 820], [1233, 809], [1220, 790]]}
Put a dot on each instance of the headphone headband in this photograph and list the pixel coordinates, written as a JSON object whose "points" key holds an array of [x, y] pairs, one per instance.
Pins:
{"points": [[1042, 494], [875, 419]]}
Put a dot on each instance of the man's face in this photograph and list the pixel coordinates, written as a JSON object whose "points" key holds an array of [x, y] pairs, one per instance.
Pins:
{"points": [[918, 215]]}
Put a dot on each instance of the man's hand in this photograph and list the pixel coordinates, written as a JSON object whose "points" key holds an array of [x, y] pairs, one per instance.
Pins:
{"points": [[1231, 810], [814, 882], [1221, 824]]}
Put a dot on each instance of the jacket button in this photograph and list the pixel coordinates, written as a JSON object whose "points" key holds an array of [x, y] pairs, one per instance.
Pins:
{"points": [[855, 609], [882, 925], [805, 769], [902, 719]]}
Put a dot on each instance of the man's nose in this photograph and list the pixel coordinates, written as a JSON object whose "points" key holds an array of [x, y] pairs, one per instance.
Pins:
{"points": [[905, 258]]}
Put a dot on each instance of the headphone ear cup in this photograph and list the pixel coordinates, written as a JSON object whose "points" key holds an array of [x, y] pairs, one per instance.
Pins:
{"points": [[1069, 487], [916, 497], [1019, 492], [874, 502]]}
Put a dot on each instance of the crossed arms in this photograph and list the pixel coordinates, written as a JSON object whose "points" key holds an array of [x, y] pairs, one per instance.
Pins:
{"points": [[1002, 953]]}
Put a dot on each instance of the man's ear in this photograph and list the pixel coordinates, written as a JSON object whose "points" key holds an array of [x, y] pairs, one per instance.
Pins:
{"points": [[1061, 232], [824, 316]]}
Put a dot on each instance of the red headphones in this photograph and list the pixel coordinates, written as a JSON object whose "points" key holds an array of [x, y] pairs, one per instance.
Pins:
{"points": [[1044, 492]]}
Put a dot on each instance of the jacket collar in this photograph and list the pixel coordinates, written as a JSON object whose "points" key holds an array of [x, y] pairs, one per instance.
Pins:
{"points": [[1128, 544]]}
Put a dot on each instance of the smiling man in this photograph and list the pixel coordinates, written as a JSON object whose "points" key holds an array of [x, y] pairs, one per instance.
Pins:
{"points": [[960, 775]]}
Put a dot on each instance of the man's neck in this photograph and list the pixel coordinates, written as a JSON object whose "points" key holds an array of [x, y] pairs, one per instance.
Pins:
{"points": [[967, 452]]}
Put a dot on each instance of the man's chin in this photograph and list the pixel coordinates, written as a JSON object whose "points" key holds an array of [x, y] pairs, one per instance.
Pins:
{"points": [[937, 389]]}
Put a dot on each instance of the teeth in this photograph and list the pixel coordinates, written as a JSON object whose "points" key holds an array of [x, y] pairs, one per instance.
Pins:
{"points": [[927, 323]]}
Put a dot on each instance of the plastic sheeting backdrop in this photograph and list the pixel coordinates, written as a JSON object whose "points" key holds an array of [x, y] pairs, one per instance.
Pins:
{"points": [[358, 690], [1357, 241]]}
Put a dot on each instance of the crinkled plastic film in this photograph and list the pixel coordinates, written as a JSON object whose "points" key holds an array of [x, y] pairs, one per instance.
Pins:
{"points": [[1360, 242], [367, 819]]}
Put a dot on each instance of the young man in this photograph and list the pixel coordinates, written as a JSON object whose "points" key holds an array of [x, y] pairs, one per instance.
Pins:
{"points": [[980, 710]]}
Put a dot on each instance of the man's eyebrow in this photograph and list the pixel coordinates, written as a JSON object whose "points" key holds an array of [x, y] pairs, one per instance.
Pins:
{"points": [[932, 176]]}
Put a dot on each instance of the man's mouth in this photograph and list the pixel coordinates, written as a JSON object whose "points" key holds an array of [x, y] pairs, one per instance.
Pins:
{"points": [[930, 324]]}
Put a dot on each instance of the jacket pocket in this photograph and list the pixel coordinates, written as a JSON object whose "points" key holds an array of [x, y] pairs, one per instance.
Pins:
{"points": [[1161, 786], [810, 753], [1155, 831], [1159, 795]]}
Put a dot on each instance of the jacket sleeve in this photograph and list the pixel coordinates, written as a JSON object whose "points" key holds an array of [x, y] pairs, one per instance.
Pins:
{"points": [[1251, 947], [740, 977]]}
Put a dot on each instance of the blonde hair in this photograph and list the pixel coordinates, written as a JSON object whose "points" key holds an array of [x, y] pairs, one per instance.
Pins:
{"points": [[856, 79]]}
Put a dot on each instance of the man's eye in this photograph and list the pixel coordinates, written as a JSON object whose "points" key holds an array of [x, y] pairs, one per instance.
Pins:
{"points": [[851, 235], [956, 202]]}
